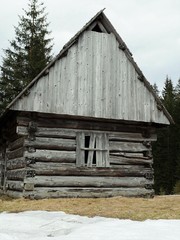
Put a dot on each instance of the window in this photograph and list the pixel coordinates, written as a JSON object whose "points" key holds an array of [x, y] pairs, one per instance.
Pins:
{"points": [[92, 149], [97, 26]]}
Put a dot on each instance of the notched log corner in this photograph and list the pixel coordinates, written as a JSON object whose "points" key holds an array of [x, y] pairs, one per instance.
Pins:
{"points": [[148, 186], [146, 134], [149, 175], [31, 149], [32, 129], [147, 144], [31, 173], [28, 186], [30, 161]]}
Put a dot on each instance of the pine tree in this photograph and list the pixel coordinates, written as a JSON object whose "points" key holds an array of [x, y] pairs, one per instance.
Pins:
{"points": [[27, 55]]}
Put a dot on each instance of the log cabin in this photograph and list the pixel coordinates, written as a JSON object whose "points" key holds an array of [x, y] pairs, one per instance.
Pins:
{"points": [[84, 126]]}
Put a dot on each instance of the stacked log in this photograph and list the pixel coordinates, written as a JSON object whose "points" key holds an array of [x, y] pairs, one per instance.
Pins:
{"points": [[15, 168]]}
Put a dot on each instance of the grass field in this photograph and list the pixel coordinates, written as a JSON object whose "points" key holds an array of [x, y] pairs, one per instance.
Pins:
{"points": [[160, 207]]}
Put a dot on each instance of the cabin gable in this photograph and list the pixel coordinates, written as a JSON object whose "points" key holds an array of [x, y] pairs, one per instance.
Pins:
{"points": [[94, 79]]}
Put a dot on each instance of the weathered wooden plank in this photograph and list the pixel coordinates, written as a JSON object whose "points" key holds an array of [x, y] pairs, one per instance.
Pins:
{"points": [[49, 132], [126, 160], [24, 118], [14, 194], [52, 143], [94, 149], [80, 181], [129, 155], [52, 155], [16, 163], [115, 131], [28, 186], [105, 154], [54, 167], [84, 171], [17, 153], [18, 143], [14, 185], [93, 138], [80, 154], [131, 137], [22, 131], [99, 154], [49, 165], [131, 167], [40, 192], [127, 147], [16, 174]]}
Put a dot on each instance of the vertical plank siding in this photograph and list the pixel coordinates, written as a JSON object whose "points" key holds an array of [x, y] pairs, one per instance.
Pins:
{"points": [[98, 80]]}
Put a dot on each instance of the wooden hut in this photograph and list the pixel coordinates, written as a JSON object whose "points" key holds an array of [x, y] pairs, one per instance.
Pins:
{"points": [[84, 126]]}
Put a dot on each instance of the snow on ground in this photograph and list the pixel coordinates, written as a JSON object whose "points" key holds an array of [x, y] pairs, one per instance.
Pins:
{"points": [[42, 225]]}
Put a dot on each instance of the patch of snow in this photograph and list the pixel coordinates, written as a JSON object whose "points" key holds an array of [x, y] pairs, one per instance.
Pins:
{"points": [[42, 225]]}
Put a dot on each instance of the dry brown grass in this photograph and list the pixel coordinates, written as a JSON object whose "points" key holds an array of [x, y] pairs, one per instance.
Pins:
{"points": [[160, 207]]}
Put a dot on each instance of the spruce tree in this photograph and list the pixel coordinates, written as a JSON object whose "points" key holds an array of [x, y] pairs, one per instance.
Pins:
{"points": [[177, 122], [155, 88], [28, 53], [165, 150], [168, 95]]}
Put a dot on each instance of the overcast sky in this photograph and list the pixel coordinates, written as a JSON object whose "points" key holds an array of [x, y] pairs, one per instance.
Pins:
{"points": [[150, 29]]}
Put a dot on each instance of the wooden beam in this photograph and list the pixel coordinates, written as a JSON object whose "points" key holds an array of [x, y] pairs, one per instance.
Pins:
{"points": [[81, 181], [80, 154], [91, 146], [56, 121], [52, 143], [16, 174], [84, 171], [14, 194], [127, 147], [40, 192], [52, 156], [17, 153], [124, 160], [16, 163], [18, 143], [14, 185]]}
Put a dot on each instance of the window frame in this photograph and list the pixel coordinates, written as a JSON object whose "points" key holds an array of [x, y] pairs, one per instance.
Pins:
{"points": [[98, 148]]}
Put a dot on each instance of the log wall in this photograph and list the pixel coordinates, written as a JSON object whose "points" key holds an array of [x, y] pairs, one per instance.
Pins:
{"points": [[11, 158], [15, 167], [42, 161], [1, 169]]}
